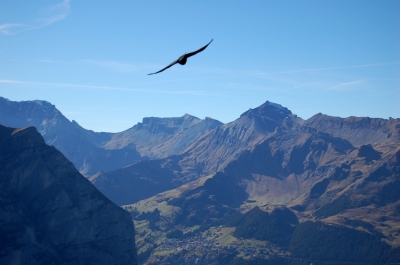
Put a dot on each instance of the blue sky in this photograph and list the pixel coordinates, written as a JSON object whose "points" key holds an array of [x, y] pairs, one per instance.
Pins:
{"points": [[91, 58]]}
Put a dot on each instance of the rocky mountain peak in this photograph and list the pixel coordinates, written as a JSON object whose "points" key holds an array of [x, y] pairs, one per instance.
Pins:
{"points": [[34, 105], [270, 110], [38, 113], [268, 105], [189, 117]]}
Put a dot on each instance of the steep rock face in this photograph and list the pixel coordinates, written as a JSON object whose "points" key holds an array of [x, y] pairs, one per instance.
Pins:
{"points": [[287, 163], [213, 151], [314, 171], [358, 130], [50, 214]]}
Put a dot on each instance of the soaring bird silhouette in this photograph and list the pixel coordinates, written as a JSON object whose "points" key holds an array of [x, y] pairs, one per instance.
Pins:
{"points": [[183, 59]]}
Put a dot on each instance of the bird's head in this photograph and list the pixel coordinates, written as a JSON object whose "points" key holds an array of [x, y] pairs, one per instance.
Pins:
{"points": [[182, 60]]}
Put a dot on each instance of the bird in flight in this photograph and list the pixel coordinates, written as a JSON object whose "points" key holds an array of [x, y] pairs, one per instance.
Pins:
{"points": [[183, 59]]}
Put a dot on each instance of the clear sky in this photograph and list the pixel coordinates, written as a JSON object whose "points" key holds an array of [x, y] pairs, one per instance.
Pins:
{"points": [[91, 58]]}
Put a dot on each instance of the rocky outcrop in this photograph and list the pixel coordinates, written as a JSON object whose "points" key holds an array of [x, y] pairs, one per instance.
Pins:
{"points": [[368, 152], [50, 214]]}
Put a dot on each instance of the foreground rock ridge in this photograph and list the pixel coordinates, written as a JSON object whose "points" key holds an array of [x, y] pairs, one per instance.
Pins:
{"points": [[50, 214]]}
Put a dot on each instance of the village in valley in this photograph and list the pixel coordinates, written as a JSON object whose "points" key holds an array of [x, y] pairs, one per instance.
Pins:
{"points": [[209, 243]]}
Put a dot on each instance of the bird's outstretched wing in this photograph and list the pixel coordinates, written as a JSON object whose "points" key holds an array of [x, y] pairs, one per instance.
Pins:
{"points": [[199, 50], [182, 59], [165, 68]]}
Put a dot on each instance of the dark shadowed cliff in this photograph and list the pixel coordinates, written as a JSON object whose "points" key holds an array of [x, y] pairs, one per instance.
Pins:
{"points": [[50, 214]]}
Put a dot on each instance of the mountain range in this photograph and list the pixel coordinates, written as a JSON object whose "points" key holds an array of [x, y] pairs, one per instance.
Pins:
{"points": [[93, 152], [267, 188]]}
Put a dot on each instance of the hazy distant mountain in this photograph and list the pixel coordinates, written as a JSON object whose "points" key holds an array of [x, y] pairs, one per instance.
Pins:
{"points": [[51, 214], [72, 140], [56, 129], [93, 152], [163, 137]]}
